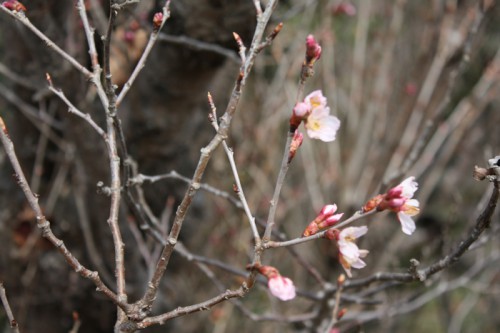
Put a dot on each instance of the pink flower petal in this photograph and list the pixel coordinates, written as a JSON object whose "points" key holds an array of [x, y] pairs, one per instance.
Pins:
{"points": [[282, 288]]}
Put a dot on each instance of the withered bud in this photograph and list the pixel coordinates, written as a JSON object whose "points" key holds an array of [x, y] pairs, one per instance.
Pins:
{"points": [[373, 203], [479, 173], [235, 188], [157, 21], [48, 78]]}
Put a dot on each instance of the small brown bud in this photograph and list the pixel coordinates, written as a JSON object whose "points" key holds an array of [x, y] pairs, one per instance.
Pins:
{"points": [[479, 173], [341, 280]]}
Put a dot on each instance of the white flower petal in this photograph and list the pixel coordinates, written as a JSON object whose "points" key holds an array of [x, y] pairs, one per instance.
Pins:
{"points": [[410, 186], [358, 264], [316, 99], [407, 223]]}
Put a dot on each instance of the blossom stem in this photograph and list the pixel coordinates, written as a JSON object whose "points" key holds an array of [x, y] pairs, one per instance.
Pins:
{"points": [[277, 190], [356, 216]]}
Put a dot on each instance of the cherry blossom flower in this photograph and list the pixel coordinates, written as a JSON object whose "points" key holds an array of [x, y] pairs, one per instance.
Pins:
{"points": [[315, 99], [399, 199], [349, 253], [326, 218], [279, 286], [316, 115], [321, 125]]}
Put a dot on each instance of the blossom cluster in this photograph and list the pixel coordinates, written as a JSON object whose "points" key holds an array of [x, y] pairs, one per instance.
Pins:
{"points": [[315, 114], [398, 199]]}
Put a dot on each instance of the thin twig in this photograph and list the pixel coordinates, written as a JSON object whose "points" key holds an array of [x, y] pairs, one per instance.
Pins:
{"points": [[12, 321], [114, 161], [199, 45], [20, 17], [238, 188], [44, 225], [358, 215], [145, 303], [145, 54]]}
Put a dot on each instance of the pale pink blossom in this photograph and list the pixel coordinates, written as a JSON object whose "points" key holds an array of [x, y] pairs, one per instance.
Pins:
{"points": [[321, 125], [315, 99], [281, 287], [409, 209], [301, 109], [399, 199], [349, 253]]}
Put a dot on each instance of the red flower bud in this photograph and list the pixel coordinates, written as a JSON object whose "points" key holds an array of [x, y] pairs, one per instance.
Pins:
{"points": [[157, 20], [313, 50], [14, 5]]}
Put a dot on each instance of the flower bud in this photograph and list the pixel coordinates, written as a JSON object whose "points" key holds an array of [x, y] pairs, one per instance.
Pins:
{"points": [[313, 50], [14, 6], [300, 111], [294, 146], [157, 21]]}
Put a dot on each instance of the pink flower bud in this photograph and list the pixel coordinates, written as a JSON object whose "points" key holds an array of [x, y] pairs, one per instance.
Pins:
{"points": [[300, 111], [328, 210], [313, 50], [129, 36], [14, 6], [281, 287], [332, 220], [157, 20]]}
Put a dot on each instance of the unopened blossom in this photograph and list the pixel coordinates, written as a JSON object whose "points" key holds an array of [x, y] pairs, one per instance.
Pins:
{"points": [[279, 286], [157, 20], [313, 50], [349, 253], [14, 5], [326, 218], [300, 112]]}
